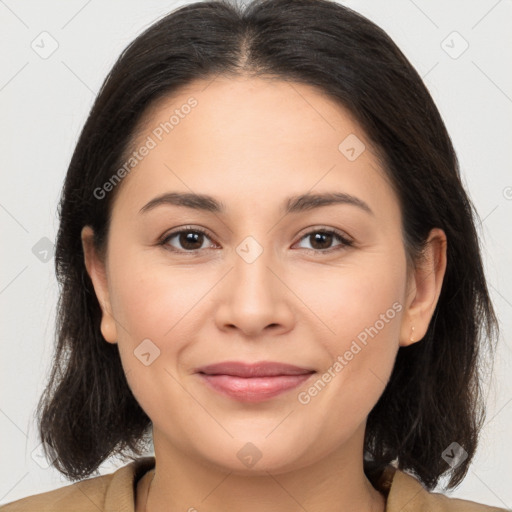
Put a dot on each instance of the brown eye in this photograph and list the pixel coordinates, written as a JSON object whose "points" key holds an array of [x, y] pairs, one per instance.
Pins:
{"points": [[185, 240], [190, 240], [322, 241]]}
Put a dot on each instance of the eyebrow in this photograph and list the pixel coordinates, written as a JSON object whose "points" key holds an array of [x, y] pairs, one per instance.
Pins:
{"points": [[294, 204]]}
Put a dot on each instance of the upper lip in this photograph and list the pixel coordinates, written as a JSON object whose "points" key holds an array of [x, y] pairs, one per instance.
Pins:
{"points": [[261, 369]]}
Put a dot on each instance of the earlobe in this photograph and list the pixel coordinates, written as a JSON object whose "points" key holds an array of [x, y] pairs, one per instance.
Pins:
{"points": [[425, 288], [97, 272]]}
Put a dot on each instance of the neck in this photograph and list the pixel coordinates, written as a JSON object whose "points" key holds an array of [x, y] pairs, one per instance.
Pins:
{"points": [[336, 482]]}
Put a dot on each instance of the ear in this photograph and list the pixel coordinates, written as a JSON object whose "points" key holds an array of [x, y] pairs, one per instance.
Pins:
{"points": [[97, 272], [424, 288]]}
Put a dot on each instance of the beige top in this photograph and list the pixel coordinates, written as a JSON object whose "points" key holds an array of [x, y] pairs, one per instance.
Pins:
{"points": [[115, 492]]}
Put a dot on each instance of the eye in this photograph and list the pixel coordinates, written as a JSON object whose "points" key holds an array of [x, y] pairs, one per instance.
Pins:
{"points": [[321, 240], [193, 239], [187, 239]]}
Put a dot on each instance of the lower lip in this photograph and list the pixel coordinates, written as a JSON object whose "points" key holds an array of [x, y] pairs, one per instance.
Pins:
{"points": [[254, 389]]}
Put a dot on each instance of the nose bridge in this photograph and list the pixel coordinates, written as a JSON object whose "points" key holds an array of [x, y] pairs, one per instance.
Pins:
{"points": [[252, 276], [253, 298]]}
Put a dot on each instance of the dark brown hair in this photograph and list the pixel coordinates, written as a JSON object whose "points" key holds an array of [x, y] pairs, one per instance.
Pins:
{"points": [[88, 413]]}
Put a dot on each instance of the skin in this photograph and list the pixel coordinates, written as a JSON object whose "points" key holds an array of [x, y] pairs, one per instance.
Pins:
{"points": [[251, 143]]}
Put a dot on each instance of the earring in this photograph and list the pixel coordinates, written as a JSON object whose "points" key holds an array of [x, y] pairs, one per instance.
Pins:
{"points": [[412, 335]]}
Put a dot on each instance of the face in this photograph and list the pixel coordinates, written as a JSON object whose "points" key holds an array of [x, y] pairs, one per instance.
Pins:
{"points": [[255, 274]]}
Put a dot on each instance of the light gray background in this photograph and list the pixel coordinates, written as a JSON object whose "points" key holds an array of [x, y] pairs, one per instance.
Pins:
{"points": [[44, 103]]}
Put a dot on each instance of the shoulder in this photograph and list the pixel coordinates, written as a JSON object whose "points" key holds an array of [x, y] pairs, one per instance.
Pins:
{"points": [[80, 497], [114, 491], [406, 494]]}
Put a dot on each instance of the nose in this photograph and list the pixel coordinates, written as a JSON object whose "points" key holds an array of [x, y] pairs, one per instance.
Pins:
{"points": [[254, 299]]}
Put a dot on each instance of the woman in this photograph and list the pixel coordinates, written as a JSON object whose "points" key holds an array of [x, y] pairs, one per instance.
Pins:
{"points": [[269, 269]]}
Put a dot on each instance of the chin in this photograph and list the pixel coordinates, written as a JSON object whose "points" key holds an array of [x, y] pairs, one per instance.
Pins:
{"points": [[244, 457]]}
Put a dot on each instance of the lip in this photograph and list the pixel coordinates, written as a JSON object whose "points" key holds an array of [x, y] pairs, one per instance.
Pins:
{"points": [[253, 382]]}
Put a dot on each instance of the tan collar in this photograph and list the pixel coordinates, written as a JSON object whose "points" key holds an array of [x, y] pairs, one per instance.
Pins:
{"points": [[120, 496], [403, 492]]}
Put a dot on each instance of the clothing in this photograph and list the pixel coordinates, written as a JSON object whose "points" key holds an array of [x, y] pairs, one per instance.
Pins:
{"points": [[115, 492]]}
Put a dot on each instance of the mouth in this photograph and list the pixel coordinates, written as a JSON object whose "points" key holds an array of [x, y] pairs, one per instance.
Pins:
{"points": [[253, 382]]}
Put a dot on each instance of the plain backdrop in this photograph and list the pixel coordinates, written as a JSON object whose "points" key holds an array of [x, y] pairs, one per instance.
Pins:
{"points": [[54, 57]]}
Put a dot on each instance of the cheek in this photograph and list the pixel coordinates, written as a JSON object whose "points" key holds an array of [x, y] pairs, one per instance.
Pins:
{"points": [[154, 311], [360, 310], [153, 305], [346, 300], [150, 299]]}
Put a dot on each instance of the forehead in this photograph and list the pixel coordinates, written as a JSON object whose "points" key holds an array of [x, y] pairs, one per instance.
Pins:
{"points": [[269, 112], [255, 136]]}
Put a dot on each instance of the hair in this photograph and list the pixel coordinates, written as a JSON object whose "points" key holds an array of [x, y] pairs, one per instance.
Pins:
{"points": [[87, 411]]}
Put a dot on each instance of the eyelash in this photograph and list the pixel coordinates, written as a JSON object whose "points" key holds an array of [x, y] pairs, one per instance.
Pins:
{"points": [[345, 242]]}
